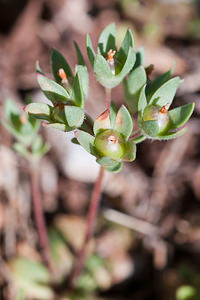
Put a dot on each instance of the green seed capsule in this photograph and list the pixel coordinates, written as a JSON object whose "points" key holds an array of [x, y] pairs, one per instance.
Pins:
{"points": [[110, 143], [159, 114]]}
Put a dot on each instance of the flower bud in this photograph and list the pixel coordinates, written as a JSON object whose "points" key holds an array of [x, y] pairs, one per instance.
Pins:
{"points": [[110, 143]]}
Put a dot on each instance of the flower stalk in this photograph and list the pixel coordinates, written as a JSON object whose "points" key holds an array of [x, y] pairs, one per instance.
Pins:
{"points": [[92, 213], [39, 218]]}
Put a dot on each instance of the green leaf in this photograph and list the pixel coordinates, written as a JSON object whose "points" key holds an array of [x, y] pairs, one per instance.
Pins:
{"points": [[38, 68], [86, 140], [104, 74], [124, 122], [12, 113], [180, 115], [74, 116], [84, 79], [130, 151], [77, 91], [115, 168], [31, 277], [39, 110], [186, 292], [150, 128], [59, 126], [157, 83], [107, 162], [140, 58], [37, 144], [126, 68], [103, 71], [81, 60], [107, 39], [172, 135], [165, 94], [113, 114], [132, 87], [52, 90], [139, 139], [21, 149], [90, 50], [102, 122], [142, 102], [124, 49], [59, 62]]}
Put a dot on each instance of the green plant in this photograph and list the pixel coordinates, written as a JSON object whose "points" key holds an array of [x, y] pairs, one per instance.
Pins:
{"points": [[32, 147], [113, 136]]}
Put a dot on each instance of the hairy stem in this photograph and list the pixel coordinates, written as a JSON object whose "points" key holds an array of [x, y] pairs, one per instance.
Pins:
{"points": [[92, 213], [39, 218]]}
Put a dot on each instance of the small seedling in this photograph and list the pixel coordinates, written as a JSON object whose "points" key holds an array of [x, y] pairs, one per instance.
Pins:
{"points": [[32, 147]]}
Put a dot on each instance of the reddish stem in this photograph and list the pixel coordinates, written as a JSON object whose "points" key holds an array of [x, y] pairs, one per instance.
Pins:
{"points": [[92, 213], [108, 98], [39, 219]]}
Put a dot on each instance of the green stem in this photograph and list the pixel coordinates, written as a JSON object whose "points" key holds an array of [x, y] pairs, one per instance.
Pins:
{"points": [[92, 213]]}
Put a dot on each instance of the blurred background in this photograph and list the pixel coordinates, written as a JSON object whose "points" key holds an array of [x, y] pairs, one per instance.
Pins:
{"points": [[147, 241]]}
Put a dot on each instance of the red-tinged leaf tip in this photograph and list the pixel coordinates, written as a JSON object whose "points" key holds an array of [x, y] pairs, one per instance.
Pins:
{"points": [[25, 107], [103, 116], [76, 134]]}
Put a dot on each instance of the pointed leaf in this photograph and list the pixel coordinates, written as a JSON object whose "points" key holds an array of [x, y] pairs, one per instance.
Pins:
{"points": [[113, 114], [77, 91], [38, 68], [140, 58], [12, 130], [52, 90], [142, 102], [130, 151], [107, 39], [157, 83], [39, 110], [12, 113], [150, 128], [103, 71], [132, 87], [104, 74], [59, 126], [90, 50], [86, 140], [81, 60], [74, 116], [126, 68], [84, 79], [124, 49], [59, 62], [172, 135], [124, 122], [102, 122], [180, 115], [165, 94]]}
